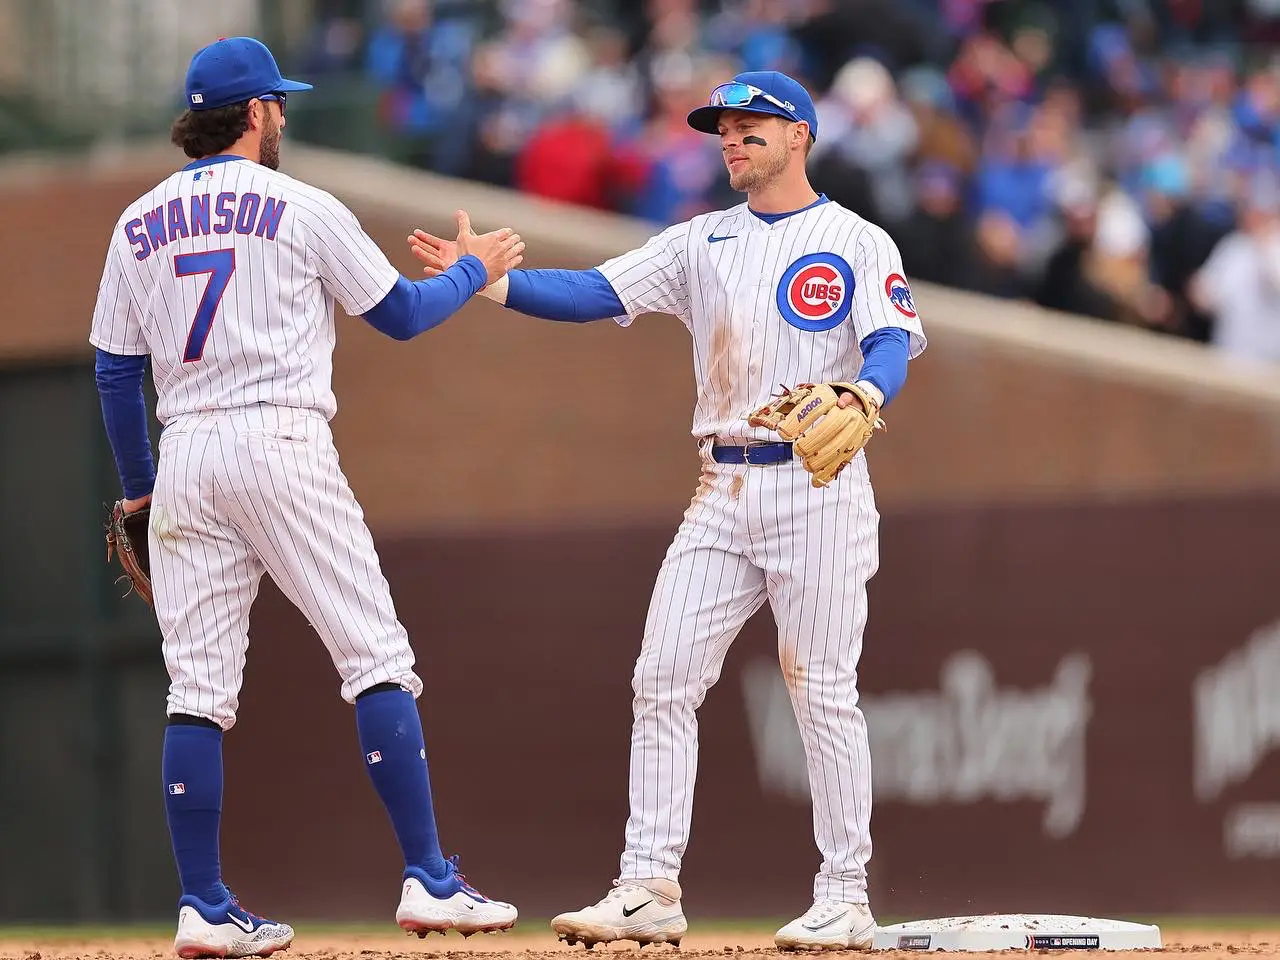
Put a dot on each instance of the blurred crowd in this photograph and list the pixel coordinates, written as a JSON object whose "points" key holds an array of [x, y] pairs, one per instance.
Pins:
{"points": [[1115, 158]]}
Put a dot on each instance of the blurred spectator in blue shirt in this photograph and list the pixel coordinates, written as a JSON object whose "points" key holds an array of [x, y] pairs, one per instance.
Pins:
{"points": [[1014, 175], [420, 63], [758, 33], [1257, 107]]}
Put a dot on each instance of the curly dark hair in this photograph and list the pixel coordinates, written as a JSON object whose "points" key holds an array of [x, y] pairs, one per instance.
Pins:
{"points": [[202, 133]]}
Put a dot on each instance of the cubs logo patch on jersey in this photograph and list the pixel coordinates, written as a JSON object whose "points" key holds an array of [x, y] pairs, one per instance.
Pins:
{"points": [[816, 292], [899, 294]]}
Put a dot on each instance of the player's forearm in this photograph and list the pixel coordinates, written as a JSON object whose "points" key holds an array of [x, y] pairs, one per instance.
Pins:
{"points": [[884, 360], [124, 414], [412, 307], [575, 296]]}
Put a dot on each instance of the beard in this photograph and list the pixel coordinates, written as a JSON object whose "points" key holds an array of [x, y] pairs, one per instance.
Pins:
{"points": [[269, 153], [762, 171]]}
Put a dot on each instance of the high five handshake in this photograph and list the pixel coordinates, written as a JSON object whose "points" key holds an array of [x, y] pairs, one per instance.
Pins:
{"points": [[499, 250]]}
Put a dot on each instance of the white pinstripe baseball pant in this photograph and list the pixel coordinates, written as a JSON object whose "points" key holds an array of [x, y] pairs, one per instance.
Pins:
{"points": [[252, 491], [754, 533]]}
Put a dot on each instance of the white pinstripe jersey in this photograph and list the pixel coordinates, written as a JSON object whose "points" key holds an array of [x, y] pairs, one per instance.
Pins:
{"points": [[226, 275], [768, 304]]}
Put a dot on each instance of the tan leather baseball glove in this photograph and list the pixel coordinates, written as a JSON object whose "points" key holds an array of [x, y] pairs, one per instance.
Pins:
{"points": [[826, 435], [127, 540]]}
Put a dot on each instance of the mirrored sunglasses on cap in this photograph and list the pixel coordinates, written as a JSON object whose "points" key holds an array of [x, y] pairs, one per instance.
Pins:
{"points": [[737, 94]]}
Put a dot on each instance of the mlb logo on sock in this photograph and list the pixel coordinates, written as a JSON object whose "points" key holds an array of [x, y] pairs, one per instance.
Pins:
{"points": [[177, 788], [375, 757]]}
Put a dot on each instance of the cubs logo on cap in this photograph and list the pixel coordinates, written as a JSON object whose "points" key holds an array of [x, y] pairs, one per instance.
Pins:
{"points": [[816, 292], [899, 294]]}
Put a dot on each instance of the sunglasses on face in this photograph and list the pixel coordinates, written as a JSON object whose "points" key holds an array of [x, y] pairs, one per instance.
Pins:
{"points": [[736, 94], [278, 97]]}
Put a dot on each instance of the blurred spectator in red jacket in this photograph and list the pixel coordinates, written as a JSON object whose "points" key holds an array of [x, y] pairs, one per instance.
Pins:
{"points": [[571, 156]]}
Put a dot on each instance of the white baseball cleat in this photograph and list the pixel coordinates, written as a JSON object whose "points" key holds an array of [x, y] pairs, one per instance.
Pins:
{"points": [[646, 911], [226, 929], [428, 905], [830, 925]]}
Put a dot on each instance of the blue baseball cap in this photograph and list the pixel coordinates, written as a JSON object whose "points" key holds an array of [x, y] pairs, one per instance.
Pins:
{"points": [[758, 91], [232, 70]]}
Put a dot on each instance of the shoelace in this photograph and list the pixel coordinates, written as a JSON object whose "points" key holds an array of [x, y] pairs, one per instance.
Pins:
{"points": [[235, 903], [620, 888], [462, 879], [825, 910]]}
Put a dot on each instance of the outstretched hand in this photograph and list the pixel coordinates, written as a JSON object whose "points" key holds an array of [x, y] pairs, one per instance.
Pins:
{"points": [[436, 253], [500, 250]]}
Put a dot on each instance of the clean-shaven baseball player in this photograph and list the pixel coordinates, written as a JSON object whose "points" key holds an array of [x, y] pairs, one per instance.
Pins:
{"points": [[786, 288], [225, 275]]}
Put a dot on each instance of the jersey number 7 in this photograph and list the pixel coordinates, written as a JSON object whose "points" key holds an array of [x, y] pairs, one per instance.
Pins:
{"points": [[220, 265]]}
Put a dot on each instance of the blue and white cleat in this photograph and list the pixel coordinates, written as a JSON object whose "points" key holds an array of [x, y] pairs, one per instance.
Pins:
{"points": [[429, 905], [226, 930]]}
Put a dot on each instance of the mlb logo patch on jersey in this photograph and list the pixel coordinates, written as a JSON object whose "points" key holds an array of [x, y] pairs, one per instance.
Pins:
{"points": [[177, 789], [816, 292], [899, 294]]}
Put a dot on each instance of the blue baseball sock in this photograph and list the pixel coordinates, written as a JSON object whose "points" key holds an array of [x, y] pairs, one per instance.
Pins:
{"points": [[395, 756], [192, 768]]}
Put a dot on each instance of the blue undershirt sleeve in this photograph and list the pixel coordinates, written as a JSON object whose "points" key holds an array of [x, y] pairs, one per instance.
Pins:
{"points": [[884, 360], [576, 296], [412, 307], [124, 414]]}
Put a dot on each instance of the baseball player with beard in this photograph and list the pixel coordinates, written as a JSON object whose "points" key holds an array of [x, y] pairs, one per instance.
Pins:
{"points": [[225, 275], [787, 288]]}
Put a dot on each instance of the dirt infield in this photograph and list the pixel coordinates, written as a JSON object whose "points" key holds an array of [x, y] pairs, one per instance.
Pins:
{"points": [[1205, 945]]}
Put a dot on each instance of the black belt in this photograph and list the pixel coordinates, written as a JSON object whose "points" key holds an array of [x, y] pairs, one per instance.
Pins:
{"points": [[757, 452]]}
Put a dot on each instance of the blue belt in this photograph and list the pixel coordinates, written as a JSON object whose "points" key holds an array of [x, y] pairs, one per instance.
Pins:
{"points": [[757, 452]]}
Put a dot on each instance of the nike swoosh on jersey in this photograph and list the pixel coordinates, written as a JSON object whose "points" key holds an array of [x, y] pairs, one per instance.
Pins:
{"points": [[712, 238]]}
